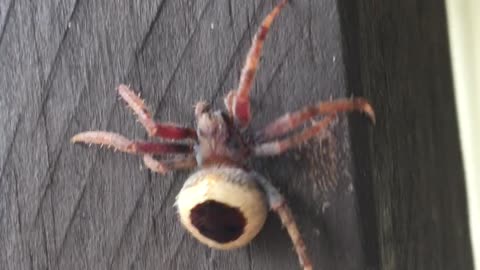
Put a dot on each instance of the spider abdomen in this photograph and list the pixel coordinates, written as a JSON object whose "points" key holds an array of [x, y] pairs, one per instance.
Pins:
{"points": [[222, 207]]}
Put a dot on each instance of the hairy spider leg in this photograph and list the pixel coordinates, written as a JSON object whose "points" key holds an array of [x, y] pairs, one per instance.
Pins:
{"points": [[286, 216], [279, 205], [120, 143], [290, 121], [163, 130], [241, 100], [165, 166], [276, 147]]}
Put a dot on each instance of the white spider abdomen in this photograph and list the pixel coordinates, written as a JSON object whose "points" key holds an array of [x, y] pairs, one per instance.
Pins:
{"points": [[222, 207]]}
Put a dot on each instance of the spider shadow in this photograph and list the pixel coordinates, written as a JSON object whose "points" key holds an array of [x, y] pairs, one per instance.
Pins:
{"points": [[316, 182]]}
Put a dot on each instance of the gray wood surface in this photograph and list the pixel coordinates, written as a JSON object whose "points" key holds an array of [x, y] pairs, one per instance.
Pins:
{"points": [[72, 207]]}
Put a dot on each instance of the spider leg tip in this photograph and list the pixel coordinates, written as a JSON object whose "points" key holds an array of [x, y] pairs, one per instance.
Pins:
{"points": [[76, 138], [373, 119], [123, 88], [364, 106], [370, 113], [283, 3]]}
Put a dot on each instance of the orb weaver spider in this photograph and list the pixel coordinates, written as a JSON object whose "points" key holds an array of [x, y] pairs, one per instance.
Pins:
{"points": [[224, 204]]}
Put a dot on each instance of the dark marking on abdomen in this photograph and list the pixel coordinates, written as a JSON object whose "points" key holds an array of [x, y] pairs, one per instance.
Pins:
{"points": [[218, 221]]}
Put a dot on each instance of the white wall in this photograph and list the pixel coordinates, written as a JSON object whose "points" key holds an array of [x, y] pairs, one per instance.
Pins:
{"points": [[464, 31]]}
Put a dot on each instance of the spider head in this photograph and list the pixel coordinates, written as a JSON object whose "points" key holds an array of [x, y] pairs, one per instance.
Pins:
{"points": [[213, 134], [211, 126], [218, 140]]}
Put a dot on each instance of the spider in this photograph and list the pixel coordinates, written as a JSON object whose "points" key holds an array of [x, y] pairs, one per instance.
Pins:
{"points": [[224, 204]]}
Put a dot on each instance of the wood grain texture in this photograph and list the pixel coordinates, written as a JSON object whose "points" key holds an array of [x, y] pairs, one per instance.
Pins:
{"points": [[72, 207], [410, 167]]}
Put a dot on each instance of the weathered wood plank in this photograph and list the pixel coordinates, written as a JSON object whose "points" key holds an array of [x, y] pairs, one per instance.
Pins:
{"points": [[71, 207]]}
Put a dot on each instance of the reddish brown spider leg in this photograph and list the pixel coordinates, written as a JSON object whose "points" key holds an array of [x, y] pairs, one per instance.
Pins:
{"points": [[285, 214], [279, 205], [278, 146], [290, 121], [241, 103], [163, 130], [169, 165], [120, 143]]}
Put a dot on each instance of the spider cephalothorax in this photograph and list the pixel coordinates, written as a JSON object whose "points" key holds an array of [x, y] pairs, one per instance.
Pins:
{"points": [[224, 204]]}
